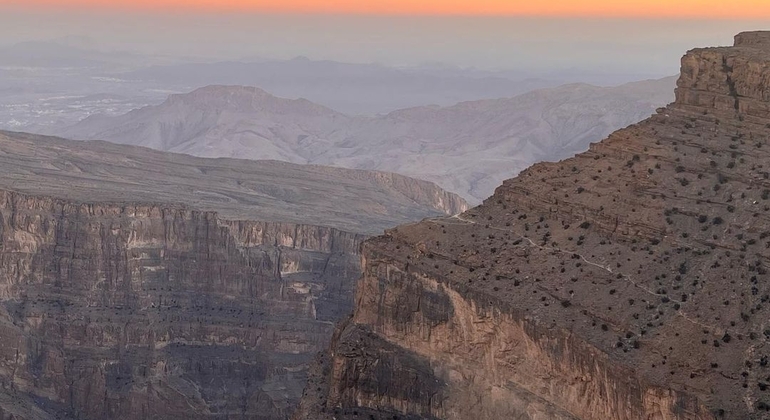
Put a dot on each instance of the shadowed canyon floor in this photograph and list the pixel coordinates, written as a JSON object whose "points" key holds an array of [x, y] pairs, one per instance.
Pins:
{"points": [[137, 284], [628, 282]]}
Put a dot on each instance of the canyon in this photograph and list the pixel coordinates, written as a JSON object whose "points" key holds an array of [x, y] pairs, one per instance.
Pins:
{"points": [[628, 282], [138, 284]]}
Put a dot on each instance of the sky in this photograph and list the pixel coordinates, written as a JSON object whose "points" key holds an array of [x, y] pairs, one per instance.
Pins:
{"points": [[633, 37], [745, 9]]}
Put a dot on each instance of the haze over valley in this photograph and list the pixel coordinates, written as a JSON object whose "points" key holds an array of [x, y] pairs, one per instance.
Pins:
{"points": [[468, 148]]}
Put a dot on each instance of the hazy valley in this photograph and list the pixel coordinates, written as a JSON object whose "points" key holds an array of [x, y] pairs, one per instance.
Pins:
{"points": [[52, 84], [468, 148]]}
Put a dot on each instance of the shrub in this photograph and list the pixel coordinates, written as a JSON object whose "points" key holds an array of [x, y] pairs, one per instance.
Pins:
{"points": [[683, 268], [722, 179]]}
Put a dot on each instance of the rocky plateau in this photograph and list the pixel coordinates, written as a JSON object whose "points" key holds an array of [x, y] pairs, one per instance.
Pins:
{"points": [[629, 282]]}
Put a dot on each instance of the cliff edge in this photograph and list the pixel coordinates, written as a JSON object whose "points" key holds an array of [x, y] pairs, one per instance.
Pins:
{"points": [[137, 284], [629, 282]]}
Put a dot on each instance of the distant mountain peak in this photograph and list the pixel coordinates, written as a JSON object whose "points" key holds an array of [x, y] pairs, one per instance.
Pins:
{"points": [[244, 99]]}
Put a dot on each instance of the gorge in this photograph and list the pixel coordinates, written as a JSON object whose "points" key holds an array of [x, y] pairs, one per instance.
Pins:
{"points": [[628, 282], [137, 284]]}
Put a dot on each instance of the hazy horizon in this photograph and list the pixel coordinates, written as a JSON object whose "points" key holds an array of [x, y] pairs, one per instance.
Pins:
{"points": [[648, 47]]}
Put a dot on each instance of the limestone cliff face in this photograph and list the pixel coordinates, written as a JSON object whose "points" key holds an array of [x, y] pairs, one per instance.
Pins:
{"points": [[728, 78], [153, 311], [629, 282], [450, 352]]}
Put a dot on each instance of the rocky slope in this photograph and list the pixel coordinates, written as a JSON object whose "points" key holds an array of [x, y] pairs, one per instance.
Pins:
{"points": [[137, 284], [468, 148], [628, 282], [352, 200]]}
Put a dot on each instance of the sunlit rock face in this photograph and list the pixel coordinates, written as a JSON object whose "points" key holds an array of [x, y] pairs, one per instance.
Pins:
{"points": [[629, 282]]}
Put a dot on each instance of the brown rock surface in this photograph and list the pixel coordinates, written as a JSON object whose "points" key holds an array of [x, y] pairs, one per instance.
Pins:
{"points": [[95, 171], [125, 295], [629, 282]]}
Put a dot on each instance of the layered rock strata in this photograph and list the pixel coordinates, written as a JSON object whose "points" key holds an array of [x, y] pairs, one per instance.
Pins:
{"points": [[137, 284], [629, 282], [146, 311]]}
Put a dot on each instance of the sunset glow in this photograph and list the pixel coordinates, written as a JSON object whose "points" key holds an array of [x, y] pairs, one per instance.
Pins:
{"points": [[736, 9]]}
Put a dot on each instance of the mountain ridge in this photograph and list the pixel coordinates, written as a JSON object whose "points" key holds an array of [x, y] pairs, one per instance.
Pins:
{"points": [[467, 148], [257, 190]]}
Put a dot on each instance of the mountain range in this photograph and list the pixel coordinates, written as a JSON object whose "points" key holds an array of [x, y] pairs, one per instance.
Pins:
{"points": [[365, 202], [352, 88], [467, 148]]}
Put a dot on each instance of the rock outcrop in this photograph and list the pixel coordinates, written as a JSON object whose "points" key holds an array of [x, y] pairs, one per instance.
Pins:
{"points": [[728, 79], [124, 294], [629, 282]]}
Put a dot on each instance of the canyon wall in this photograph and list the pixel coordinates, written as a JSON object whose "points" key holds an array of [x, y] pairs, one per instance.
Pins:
{"points": [[158, 311], [422, 347], [728, 78], [629, 282]]}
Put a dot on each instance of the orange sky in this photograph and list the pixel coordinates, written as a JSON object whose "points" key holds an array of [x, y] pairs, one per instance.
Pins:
{"points": [[749, 9]]}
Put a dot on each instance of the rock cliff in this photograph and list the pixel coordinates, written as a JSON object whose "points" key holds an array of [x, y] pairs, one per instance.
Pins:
{"points": [[144, 311], [124, 294], [629, 282]]}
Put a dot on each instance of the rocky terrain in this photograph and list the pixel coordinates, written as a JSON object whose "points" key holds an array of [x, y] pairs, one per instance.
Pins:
{"points": [[468, 148], [351, 200], [628, 282], [137, 284]]}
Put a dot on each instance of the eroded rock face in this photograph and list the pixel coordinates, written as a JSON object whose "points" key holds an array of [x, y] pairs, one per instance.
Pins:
{"points": [[138, 284], [150, 311], [728, 78], [629, 282]]}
